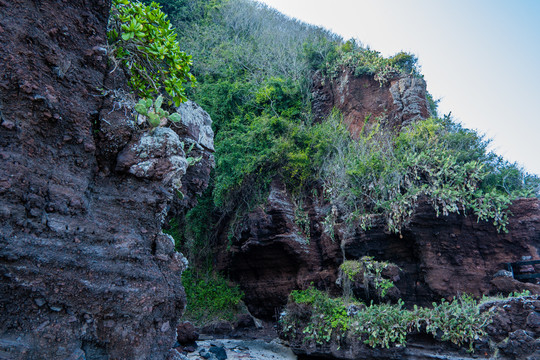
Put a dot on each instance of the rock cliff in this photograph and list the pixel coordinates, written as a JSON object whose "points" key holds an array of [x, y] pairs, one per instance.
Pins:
{"points": [[363, 99], [85, 269], [439, 257]]}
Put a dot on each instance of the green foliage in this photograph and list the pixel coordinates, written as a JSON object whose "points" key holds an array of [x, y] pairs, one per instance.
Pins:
{"points": [[459, 321], [322, 319], [433, 104], [366, 62], [520, 294], [198, 232], [373, 269], [192, 235], [144, 42], [185, 12], [499, 297], [351, 268], [225, 100], [210, 297], [379, 174], [254, 150], [327, 315], [385, 174], [174, 229], [153, 113], [301, 218], [383, 325]]}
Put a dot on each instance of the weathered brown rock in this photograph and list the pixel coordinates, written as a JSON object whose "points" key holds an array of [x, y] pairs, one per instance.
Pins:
{"points": [[273, 255], [84, 267], [446, 256], [438, 256], [363, 99], [186, 333], [507, 285]]}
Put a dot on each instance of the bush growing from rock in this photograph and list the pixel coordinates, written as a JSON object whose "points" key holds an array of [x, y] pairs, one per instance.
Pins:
{"points": [[143, 41], [315, 317]]}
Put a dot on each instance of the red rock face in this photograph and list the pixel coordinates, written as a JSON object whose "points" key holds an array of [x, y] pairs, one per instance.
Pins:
{"points": [[446, 256], [439, 256], [84, 267], [273, 255], [364, 100], [460, 255]]}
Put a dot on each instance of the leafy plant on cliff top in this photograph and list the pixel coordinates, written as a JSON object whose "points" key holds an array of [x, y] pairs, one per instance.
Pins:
{"points": [[144, 42], [362, 61]]}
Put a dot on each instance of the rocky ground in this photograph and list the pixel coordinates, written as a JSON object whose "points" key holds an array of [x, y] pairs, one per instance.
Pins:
{"points": [[249, 339], [241, 350]]}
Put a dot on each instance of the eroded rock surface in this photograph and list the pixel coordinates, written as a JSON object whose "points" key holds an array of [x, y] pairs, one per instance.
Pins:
{"points": [[274, 255], [364, 100], [156, 155], [84, 267], [438, 257]]}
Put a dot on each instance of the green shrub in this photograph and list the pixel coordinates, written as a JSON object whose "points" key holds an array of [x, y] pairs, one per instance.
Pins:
{"points": [[351, 268], [370, 62], [328, 315], [385, 174], [153, 113], [459, 321], [372, 276], [193, 235], [210, 297], [384, 325], [144, 42], [379, 174]]}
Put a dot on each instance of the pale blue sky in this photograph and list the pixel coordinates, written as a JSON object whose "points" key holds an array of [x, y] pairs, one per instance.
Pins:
{"points": [[481, 57]]}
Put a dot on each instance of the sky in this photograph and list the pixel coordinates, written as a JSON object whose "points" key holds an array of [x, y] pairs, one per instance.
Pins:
{"points": [[481, 58]]}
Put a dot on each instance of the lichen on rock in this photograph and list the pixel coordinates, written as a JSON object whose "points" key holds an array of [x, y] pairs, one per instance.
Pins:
{"points": [[156, 155]]}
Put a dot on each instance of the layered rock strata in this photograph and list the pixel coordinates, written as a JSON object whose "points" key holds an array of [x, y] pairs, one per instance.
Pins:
{"points": [[85, 269]]}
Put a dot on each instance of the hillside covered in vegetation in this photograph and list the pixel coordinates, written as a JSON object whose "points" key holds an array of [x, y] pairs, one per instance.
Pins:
{"points": [[255, 69], [258, 72], [293, 183]]}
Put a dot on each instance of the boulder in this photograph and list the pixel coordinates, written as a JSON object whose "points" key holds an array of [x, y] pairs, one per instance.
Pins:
{"points": [[186, 333]]}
